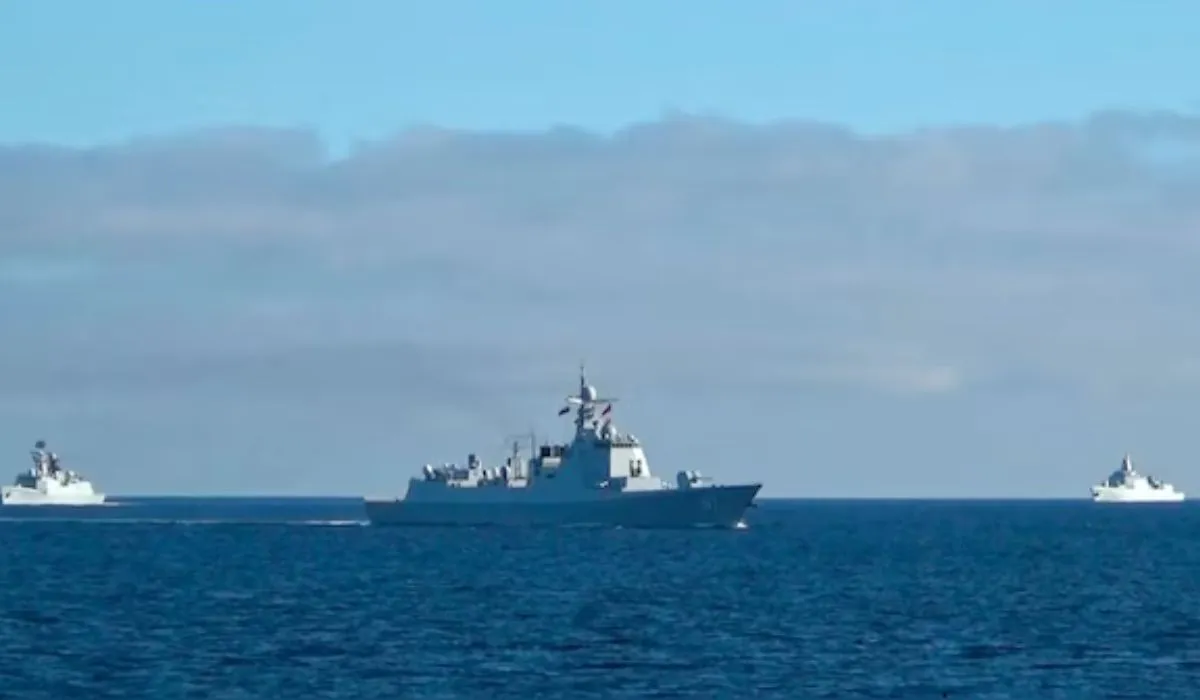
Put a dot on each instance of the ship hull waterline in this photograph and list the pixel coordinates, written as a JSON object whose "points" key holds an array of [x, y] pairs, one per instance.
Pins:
{"points": [[30, 497], [714, 506], [1111, 496]]}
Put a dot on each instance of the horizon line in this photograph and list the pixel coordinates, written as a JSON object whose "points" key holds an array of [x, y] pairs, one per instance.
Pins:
{"points": [[347, 497], [339, 147]]}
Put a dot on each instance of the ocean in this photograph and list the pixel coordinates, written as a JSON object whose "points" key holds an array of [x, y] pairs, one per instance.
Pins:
{"points": [[295, 599]]}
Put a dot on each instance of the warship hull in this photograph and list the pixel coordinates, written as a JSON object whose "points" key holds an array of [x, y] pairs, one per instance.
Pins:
{"points": [[1122, 495], [715, 506], [21, 496]]}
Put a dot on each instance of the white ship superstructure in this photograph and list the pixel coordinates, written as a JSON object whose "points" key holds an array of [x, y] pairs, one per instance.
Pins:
{"points": [[48, 483], [1127, 485], [601, 477]]}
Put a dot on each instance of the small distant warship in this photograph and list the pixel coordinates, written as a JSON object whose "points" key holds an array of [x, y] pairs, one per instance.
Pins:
{"points": [[1127, 485], [48, 483]]}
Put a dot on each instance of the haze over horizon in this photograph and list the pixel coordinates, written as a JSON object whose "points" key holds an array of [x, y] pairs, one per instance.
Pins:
{"points": [[269, 250]]}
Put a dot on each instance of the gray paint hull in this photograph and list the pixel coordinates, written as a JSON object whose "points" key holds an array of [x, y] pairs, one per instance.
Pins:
{"points": [[715, 506]]}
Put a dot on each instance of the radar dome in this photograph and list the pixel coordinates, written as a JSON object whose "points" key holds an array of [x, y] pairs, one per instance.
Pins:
{"points": [[589, 393]]}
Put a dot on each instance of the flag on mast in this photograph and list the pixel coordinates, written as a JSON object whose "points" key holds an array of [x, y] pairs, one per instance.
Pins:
{"points": [[607, 410], [563, 410]]}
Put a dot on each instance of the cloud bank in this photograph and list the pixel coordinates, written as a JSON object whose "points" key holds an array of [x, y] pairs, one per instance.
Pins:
{"points": [[236, 311]]}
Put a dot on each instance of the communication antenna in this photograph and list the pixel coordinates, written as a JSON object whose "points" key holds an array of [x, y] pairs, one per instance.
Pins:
{"points": [[515, 438]]}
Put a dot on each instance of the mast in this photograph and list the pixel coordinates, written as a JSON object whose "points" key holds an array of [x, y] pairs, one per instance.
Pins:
{"points": [[516, 450], [585, 402], [580, 413], [515, 438]]}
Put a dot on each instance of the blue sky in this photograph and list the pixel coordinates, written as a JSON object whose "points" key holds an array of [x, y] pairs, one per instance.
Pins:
{"points": [[871, 249], [81, 72]]}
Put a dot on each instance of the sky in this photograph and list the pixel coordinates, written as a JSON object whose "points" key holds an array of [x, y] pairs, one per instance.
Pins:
{"points": [[864, 250]]}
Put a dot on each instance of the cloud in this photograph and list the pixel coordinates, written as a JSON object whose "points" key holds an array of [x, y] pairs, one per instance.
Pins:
{"points": [[448, 276]]}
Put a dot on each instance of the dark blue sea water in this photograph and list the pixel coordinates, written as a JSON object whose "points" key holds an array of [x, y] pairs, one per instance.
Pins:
{"points": [[290, 599]]}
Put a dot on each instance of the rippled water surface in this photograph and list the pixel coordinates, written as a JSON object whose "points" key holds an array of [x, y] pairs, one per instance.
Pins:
{"points": [[293, 600]]}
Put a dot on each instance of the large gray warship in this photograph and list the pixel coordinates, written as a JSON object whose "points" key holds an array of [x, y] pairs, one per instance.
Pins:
{"points": [[602, 477]]}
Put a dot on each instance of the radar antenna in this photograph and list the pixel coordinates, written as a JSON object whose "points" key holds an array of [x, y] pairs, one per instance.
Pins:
{"points": [[585, 402]]}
